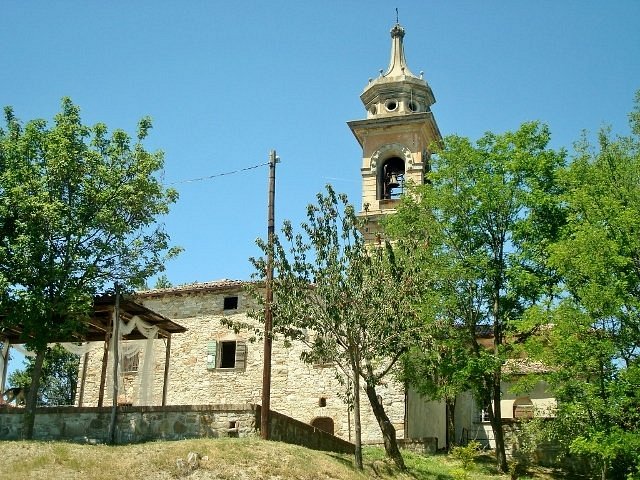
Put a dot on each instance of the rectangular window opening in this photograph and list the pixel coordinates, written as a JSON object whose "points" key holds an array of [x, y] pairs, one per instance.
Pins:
{"points": [[230, 303], [482, 414], [228, 354], [131, 363]]}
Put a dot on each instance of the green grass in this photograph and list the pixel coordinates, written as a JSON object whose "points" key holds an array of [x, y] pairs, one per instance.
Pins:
{"points": [[223, 459]]}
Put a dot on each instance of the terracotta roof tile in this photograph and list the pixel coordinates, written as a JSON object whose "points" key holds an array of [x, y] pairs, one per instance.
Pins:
{"points": [[223, 284], [522, 366]]}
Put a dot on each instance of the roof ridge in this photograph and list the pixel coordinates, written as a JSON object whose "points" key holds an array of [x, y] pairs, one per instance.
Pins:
{"points": [[195, 286]]}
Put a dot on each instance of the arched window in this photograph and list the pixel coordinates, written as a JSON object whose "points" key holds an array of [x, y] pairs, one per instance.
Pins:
{"points": [[391, 179], [323, 423]]}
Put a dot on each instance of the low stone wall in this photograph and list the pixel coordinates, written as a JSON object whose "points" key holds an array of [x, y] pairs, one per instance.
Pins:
{"points": [[423, 446], [172, 422], [133, 424], [289, 430]]}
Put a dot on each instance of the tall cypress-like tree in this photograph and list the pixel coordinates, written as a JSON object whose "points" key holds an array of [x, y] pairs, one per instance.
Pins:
{"points": [[78, 211]]}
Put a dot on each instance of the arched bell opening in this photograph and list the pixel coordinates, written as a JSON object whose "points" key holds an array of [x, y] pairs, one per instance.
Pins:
{"points": [[391, 179]]}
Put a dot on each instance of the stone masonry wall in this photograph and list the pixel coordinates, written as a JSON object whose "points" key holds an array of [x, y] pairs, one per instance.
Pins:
{"points": [[298, 390], [289, 430], [133, 424], [177, 422]]}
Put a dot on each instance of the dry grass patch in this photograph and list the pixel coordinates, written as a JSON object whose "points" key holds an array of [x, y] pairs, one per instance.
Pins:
{"points": [[241, 459], [219, 459]]}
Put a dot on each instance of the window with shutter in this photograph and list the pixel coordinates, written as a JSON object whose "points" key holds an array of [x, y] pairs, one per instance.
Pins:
{"points": [[227, 355], [212, 350], [241, 356]]}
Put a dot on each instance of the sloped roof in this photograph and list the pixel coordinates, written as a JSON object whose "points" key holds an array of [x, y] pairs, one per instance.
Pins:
{"points": [[99, 322]]}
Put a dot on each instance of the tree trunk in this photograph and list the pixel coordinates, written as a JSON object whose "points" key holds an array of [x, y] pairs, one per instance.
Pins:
{"points": [[495, 415], [32, 396], [356, 417], [388, 430], [451, 422], [496, 379]]}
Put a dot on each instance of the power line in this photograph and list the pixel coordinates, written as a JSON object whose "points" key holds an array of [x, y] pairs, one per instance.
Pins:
{"points": [[209, 177]]}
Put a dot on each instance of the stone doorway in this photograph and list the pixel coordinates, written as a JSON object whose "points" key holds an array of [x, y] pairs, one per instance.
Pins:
{"points": [[323, 423]]}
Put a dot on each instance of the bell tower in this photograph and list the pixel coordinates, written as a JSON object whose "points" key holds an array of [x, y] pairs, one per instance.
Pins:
{"points": [[396, 136]]}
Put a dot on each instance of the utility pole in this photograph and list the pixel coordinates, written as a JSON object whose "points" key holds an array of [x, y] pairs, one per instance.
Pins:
{"points": [[268, 317], [116, 377]]}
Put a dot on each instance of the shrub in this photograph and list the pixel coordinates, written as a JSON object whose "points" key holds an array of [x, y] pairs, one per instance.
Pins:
{"points": [[467, 454]]}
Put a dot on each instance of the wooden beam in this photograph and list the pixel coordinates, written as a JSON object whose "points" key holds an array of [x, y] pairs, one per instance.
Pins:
{"points": [[116, 356], [166, 370], [163, 333], [5, 364], [99, 325], [102, 308], [83, 378], [105, 358]]}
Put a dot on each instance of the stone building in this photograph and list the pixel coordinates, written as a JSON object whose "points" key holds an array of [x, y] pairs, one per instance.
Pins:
{"points": [[211, 364]]}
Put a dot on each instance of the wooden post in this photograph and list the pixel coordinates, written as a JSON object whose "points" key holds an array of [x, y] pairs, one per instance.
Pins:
{"points": [[166, 370], [268, 319], [5, 363], [116, 335], [105, 360], [83, 378]]}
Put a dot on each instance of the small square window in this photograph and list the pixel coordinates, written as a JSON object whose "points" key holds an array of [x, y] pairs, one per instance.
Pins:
{"points": [[230, 303], [131, 363]]}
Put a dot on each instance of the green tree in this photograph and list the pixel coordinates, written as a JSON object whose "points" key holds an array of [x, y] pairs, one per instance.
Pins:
{"points": [[437, 367], [594, 344], [356, 300], [477, 222], [58, 380], [163, 282], [78, 213]]}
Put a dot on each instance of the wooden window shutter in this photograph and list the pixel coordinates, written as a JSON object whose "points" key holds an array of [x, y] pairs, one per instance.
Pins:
{"points": [[241, 355], [212, 350]]}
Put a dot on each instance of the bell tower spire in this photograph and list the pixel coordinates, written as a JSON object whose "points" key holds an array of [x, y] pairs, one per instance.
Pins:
{"points": [[397, 64], [397, 135]]}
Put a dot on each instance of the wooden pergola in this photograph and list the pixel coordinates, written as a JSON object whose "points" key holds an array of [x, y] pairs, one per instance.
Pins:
{"points": [[100, 329]]}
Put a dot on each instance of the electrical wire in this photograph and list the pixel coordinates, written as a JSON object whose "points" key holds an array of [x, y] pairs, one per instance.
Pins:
{"points": [[209, 177]]}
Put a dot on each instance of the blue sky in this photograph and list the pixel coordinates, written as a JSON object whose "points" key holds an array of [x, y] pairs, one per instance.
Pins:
{"points": [[225, 82]]}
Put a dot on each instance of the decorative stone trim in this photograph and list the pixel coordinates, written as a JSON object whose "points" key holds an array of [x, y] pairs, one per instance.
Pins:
{"points": [[388, 150]]}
